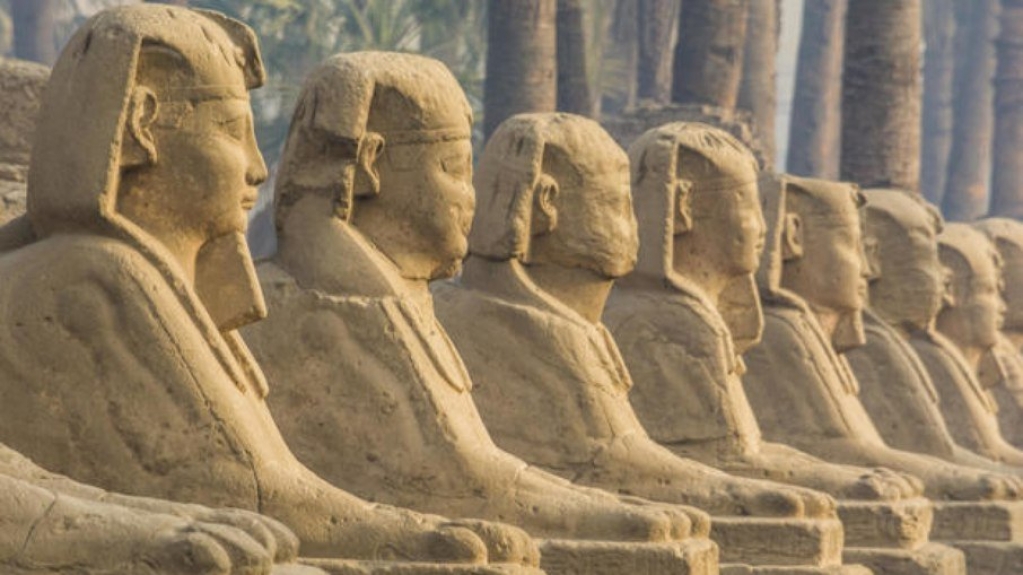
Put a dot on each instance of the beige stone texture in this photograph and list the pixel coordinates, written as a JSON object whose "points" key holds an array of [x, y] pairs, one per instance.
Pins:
{"points": [[1001, 372], [53, 525], [554, 227], [906, 290], [375, 201], [57, 524], [632, 123], [21, 87], [121, 366], [695, 192], [968, 326], [814, 275], [797, 365]]}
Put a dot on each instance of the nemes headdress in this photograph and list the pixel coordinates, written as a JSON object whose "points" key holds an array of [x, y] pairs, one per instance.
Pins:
{"points": [[511, 167], [365, 99], [75, 167]]}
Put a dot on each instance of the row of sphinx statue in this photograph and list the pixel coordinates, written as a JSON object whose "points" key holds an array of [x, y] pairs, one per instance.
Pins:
{"points": [[574, 360]]}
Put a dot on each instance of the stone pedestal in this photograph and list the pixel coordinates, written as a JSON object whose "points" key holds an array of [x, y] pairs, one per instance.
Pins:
{"points": [[990, 533], [892, 538], [778, 541], [928, 559], [559, 557], [834, 570], [347, 567], [564, 557], [902, 524]]}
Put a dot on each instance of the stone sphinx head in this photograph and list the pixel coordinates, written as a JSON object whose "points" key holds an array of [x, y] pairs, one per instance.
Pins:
{"points": [[697, 201], [696, 196], [1007, 235], [907, 284], [384, 137], [821, 255], [554, 190], [974, 309], [145, 134]]}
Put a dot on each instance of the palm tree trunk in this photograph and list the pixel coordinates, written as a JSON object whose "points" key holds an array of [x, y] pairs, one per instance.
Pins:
{"points": [[815, 130], [34, 30], [573, 81], [757, 90], [1007, 171], [939, 32], [708, 56], [969, 161], [656, 21], [521, 60], [882, 93]]}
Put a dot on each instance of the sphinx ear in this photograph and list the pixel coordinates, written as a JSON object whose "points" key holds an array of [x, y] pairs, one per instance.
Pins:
{"points": [[872, 257], [792, 238], [683, 207], [367, 174], [545, 213], [138, 146], [949, 297]]}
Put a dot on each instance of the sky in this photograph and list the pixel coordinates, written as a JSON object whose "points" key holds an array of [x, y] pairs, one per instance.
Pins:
{"points": [[791, 24]]}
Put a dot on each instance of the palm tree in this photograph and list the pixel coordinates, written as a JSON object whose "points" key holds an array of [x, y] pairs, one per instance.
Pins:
{"points": [[757, 90], [656, 21], [939, 34], [1007, 170], [573, 80], [708, 56], [815, 130], [969, 161], [34, 30], [882, 93], [521, 60]]}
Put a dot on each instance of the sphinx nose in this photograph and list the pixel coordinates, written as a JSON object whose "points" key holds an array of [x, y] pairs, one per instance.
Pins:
{"points": [[257, 172]]}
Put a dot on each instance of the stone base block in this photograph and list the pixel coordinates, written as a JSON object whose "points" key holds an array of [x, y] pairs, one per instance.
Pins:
{"points": [[978, 521], [574, 557], [351, 567], [991, 557], [887, 524], [778, 541], [929, 559], [732, 569], [296, 569]]}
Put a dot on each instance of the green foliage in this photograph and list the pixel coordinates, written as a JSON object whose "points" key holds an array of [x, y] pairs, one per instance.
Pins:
{"points": [[295, 35]]}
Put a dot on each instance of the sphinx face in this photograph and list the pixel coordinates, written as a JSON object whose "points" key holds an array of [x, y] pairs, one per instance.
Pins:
{"points": [[208, 169], [978, 311], [730, 227], [912, 283], [973, 317], [428, 200], [597, 227], [1012, 291], [834, 262]]}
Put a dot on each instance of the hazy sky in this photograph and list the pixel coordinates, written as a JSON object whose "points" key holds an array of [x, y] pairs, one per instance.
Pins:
{"points": [[792, 23]]}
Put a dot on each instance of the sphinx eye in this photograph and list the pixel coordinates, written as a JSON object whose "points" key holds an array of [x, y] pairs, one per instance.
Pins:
{"points": [[234, 127], [457, 165]]}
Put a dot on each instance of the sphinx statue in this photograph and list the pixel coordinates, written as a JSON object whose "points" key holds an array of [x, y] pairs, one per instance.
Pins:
{"points": [[374, 201], [967, 329], [907, 286], [109, 533], [813, 281], [553, 229], [695, 192], [121, 364], [1002, 370]]}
